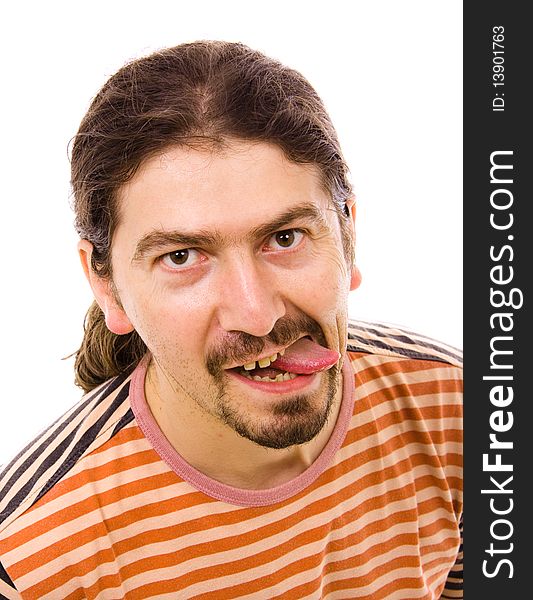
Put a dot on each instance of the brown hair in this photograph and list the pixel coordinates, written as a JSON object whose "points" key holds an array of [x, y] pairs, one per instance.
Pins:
{"points": [[201, 92]]}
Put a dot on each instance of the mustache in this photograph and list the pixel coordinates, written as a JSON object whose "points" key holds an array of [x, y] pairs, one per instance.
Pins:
{"points": [[238, 346]]}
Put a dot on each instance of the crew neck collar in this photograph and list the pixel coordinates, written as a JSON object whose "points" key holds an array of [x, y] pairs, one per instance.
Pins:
{"points": [[226, 493]]}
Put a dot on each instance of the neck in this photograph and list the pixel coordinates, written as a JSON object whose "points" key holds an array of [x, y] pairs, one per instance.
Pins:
{"points": [[202, 439]]}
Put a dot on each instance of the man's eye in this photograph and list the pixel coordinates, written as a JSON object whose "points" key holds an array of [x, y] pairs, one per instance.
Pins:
{"points": [[181, 259], [289, 238]]}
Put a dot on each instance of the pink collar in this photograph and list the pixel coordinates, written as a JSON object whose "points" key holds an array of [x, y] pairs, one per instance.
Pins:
{"points": [[226, 493]]}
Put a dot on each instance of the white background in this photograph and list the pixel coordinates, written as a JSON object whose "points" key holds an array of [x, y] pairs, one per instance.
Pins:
{"points": [[390, 74]]}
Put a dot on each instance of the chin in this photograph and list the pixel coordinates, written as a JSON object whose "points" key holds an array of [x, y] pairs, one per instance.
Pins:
{"points": [[289, 421]]}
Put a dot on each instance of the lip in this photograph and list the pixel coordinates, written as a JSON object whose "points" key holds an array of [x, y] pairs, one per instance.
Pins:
{"points": [[266, 354], [276, 387]]}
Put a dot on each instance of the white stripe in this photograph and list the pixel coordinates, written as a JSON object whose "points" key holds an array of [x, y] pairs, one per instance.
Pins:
{"points": [[6, 591], [390, 379], [132, 475], [217, 533], [386, 330], [88, 417]]}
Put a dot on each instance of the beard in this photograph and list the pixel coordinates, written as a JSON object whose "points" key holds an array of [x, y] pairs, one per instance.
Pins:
{"points": [[292, 421], [295, 420]]}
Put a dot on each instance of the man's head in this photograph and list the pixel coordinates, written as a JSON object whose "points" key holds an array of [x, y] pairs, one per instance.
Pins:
{"points": [[213, 201]]}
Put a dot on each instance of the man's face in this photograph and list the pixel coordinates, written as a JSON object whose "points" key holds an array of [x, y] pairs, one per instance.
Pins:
{"points": [[224, 258]]}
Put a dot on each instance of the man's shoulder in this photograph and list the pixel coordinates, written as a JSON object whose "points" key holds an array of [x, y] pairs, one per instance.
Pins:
{"points": [[403, 376], [409, 388], [48, 459], [393, 341]]}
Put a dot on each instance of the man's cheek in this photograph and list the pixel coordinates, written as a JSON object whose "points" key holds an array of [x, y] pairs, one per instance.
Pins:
{"points": [[322, 287], [329, 260]]}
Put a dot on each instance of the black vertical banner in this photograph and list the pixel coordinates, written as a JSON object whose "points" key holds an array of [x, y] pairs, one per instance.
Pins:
{"points": [[498, 246]]}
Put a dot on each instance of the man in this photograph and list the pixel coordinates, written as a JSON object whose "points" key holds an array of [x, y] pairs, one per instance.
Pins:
{"points": [[239, 437]]}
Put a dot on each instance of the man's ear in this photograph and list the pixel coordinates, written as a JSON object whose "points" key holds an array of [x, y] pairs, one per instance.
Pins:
{"points": [[115, 318], [356, 277], [350, 207]]}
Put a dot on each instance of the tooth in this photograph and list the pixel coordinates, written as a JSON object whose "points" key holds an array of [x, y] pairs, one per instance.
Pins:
{"points": [[264, 362], [249, 366], [279, 377], [282, 352], [273, 357]]}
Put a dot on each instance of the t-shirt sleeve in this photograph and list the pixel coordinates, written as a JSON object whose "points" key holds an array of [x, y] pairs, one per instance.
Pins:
{"points": [[453, 589], [7, 587]]}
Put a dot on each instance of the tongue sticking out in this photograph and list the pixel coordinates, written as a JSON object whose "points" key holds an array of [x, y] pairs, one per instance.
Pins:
{"points": [[305, 357]]}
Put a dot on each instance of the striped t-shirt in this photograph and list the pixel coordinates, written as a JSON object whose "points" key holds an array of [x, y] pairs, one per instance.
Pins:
{"points": [[101, 505]]}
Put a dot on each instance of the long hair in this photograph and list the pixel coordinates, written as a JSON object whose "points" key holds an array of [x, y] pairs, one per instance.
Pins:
{"points": [[201, 93]]}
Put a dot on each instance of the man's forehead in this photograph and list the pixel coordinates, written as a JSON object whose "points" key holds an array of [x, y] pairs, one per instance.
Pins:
{"points": [[241, 187], [235, 159]]}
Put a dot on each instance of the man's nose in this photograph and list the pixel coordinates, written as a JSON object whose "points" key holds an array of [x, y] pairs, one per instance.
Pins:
{"points": [[249, 298]]}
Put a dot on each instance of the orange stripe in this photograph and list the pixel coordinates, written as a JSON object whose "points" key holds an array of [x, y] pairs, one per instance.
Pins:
{"points": [[261, 558], [95, 531], [85, 506], [373, 427], [216, 546], [438, 562], [198, 525], [57, 580], [273, 528], [412, 390], [393, 368], [130, 433], [400, 370], [232, 542], [426, 532], [111, 581], [389, 446], [132, 516], [307, 564], [164, 507], [93, 474], [397, 583]]}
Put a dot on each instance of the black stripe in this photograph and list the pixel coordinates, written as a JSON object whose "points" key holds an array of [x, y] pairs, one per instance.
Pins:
{"points": [[86, 440], [408, 340], [403, 351], [455, 577], [57, 430], [453, 586], [5, 577], [69, 462], [53, 433], [417, 335], [126, 419]]}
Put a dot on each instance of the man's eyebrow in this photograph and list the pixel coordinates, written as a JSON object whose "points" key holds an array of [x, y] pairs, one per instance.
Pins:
{"points": [[304, 212], [161, 239]]}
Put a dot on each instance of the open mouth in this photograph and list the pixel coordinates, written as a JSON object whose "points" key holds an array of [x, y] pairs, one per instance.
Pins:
{"points": [[303, 357], [262, 369]]}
